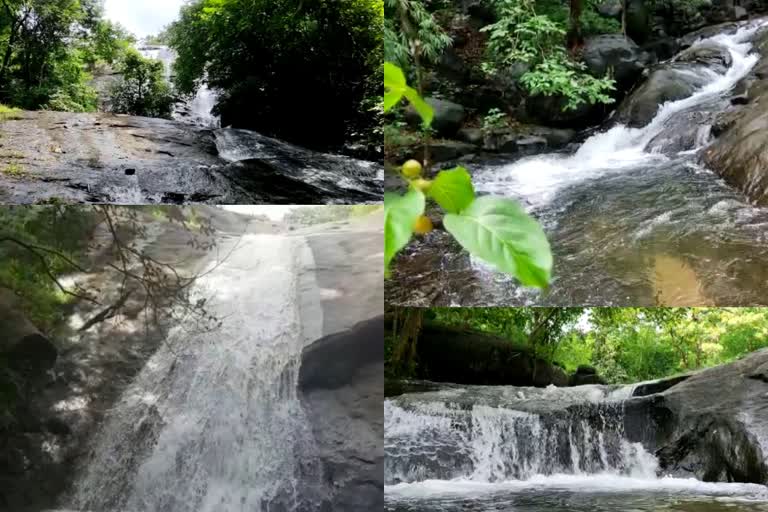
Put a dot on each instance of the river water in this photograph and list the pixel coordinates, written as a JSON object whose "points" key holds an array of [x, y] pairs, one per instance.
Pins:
{"points": [[632, 218], [493, 448], [213, 422]]}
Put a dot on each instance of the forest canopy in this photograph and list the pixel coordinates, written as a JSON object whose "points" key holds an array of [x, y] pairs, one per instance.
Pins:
{"points": [[623, 344], [49, 49]]}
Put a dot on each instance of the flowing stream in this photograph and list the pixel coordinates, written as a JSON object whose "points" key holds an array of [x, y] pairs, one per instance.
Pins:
{"points": [[213, 422], [528, 449], [632, 217]]}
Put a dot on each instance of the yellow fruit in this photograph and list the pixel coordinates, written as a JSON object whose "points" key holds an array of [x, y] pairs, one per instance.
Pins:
{"points": [[422, 184], [411, 169], [423, 225]]}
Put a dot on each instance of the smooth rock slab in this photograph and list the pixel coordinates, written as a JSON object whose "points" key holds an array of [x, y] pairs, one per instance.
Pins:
{"points": [[106, 158]]}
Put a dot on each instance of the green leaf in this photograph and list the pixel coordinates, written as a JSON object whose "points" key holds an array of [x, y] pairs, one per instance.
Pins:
{"points": [[499, 231], [400, 214], [452, 189], [396, 87], [394, 83], [422, 107]]}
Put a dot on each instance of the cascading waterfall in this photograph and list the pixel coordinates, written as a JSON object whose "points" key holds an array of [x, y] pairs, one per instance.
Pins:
{"points": [[491, 448], [494, 444], [539, 178], [213, 422], [198, 110]]}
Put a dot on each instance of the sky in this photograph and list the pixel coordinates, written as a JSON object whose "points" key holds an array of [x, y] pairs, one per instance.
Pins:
{"points": [[143, 17], [271, 211]]}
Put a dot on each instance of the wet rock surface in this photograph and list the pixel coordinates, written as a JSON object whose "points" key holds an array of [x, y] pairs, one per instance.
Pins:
{"points": [[710, 425], [341, 378], [738, 153], [618, 54], [667, 82], [89, 158]]}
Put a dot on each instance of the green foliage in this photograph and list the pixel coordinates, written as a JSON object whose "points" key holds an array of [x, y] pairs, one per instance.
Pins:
{"points": [[452, 189], [396, 88], [557, 75], [293, 69], [56, 227], [70, 91], [410, 33], [494, 229], [523, 36], [625, 345], [13, 169], [400, 214], [142, 90], [7, 113], [46, 47], [494, 120], [499, 231]]}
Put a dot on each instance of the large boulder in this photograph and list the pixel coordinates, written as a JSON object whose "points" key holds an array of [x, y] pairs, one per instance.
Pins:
{"points": [[667, 82], [463, 356], [22, 346], [341, 382], [712, 436], [447, 119], [713, 55], [738, 154], [585, 375], [616, 53]]}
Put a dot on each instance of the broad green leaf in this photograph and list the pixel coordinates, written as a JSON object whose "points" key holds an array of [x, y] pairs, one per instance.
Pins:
{"points": [[452, 189], [400, 214], [390, 99], [396, 87], [423, 108], [498, 230], [394, 83]]}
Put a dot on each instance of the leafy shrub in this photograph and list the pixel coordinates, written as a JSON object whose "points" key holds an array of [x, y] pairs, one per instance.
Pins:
{"points": [[523, 36], [142, 90]]}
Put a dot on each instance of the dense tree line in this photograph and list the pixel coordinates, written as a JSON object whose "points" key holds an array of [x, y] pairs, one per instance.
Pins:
{"points": [[623, 344], [306, 71], [50, 49]]}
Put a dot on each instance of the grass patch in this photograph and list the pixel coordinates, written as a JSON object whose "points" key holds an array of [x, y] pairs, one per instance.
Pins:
{"points": [[9, 113], [14, 170]]}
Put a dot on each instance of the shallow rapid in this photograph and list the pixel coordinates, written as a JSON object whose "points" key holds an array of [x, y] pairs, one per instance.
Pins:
{"points": [[632, 217]]}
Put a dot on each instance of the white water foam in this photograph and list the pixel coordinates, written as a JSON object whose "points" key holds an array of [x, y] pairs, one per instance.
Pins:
{"points": [[605, 482], [539, 178]]}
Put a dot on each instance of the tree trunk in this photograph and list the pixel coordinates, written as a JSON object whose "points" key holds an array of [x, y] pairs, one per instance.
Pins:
{"points": [[575, 39]]}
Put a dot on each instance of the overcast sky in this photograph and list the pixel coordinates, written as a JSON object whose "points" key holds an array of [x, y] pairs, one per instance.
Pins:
{"points": [[272, 211], [143, 17]]}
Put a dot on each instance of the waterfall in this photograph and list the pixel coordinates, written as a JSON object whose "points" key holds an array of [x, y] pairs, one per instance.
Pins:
{"points": [[493, 448], [213, 422], [482, 443], [196, 110], [539, 178]]}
